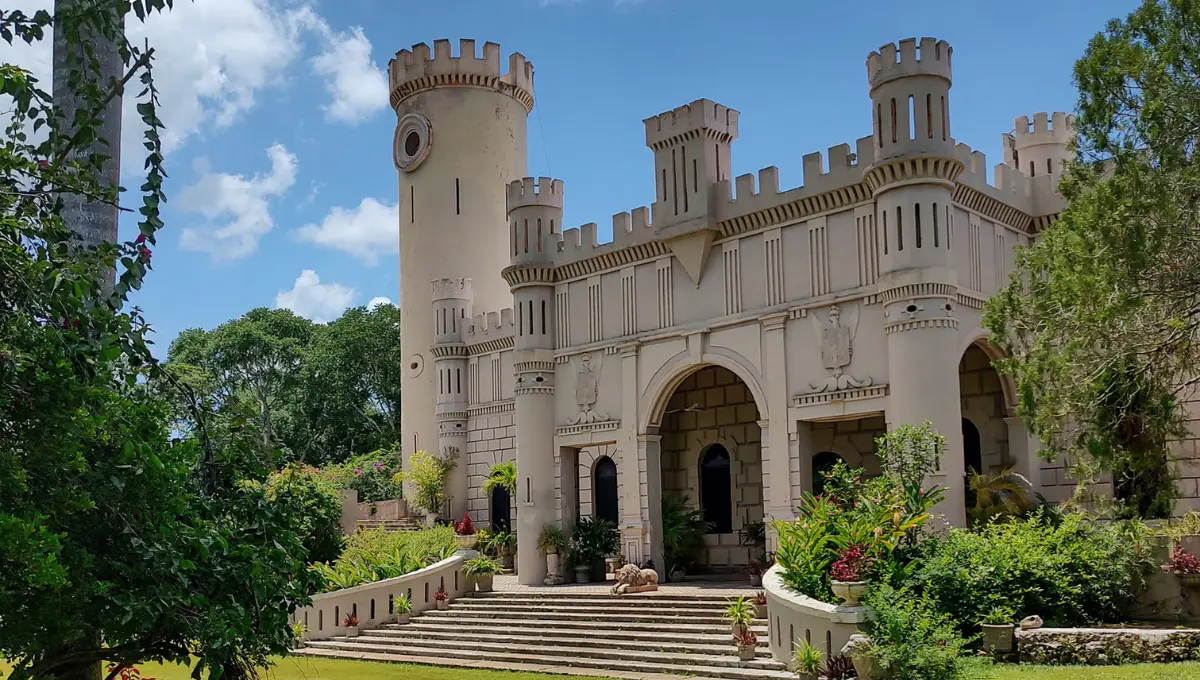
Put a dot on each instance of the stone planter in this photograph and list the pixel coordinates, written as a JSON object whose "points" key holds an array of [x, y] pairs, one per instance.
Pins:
{"points": [[443, 605], [483, 582], [998, 637], [583, 573], [747, 652], [755, 580], [850, 591], [431, 518], [737, 630], [465, 542], [404, 619], [612, 565], [677, 576], [352, 631], [1190, 580], [553, 569]]}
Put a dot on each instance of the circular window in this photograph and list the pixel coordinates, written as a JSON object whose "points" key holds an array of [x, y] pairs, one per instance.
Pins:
{"points": [[415, 365], [911, 309], [412, 141]]}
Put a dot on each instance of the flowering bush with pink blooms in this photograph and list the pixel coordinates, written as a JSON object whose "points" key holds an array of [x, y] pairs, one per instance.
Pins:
{"points": [[375, 475]]}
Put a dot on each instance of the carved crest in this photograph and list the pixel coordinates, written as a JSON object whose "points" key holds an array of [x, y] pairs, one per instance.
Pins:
{"points": [[836, 335], [587, 388]]}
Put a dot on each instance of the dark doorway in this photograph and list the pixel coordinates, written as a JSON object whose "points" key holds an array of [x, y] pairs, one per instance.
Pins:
{"points": [[822, 463], [604, 490], [501, 511], [972, 457], [716, 490]]}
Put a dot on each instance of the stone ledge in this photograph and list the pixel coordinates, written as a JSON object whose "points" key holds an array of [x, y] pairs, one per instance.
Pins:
{"points": [[1107, 646]]}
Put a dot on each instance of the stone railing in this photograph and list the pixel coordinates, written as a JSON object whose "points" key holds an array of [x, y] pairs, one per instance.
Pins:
{"points": [[794, 617], [371, 603]]}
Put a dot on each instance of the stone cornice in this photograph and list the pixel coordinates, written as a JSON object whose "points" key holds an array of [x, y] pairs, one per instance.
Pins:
{"points": [[449, 351], [487, 82], [794, 211], [925, 169], [900, 327], [611, 260], [709, 133], [491, 407], [490, 346], [917, 290], [521, 275], [993, 209]]}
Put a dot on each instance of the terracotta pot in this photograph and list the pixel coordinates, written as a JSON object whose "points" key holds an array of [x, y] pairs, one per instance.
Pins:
{"points": [[747, 652], [403, 619], [483, 582], [443, 605], [851, 592], [998, 638]]}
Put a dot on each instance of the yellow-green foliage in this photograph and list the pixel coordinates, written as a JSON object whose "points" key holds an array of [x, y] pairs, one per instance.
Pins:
{"points": [[376, 554]]}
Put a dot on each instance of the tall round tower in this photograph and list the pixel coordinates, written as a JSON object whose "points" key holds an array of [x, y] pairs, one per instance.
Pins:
{"points": [[459, 140], [912, 179], [535, 222], [1044, 148]]}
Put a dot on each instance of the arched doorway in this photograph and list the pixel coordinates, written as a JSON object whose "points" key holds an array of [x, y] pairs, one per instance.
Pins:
{"points": [[604, 490], [501, 511], [716, 490], [822, 463], [972, 448], [711, 458]]}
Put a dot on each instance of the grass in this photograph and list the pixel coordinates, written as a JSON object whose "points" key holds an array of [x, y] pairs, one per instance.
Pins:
{"points": [[300, 668], [1147, 671]]}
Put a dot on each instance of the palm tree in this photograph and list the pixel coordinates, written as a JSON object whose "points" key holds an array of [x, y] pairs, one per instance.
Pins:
{"points": [[502, 476], [1003, 493]]}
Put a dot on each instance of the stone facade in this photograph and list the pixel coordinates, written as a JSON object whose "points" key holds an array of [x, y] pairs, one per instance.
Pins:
{"points": [[829, 311]]}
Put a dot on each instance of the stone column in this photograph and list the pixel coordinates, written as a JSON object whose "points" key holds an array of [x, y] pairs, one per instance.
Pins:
{"points": [[633, 527], [534, 419], [777, 484], [650, 469]]}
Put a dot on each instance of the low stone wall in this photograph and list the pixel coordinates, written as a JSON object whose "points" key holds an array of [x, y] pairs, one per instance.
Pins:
{"points": [[372, 602], [1164, 598], [794, 617], [1107, 646], [380, 511]]}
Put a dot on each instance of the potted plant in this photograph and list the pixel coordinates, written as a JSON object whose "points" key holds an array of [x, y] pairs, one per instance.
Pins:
{"points": [[998, 630], [299, 630], [848, 574], [482, 570], [591, 542], [740, 613], [760, 603], [683, 531], [553, 544], [350, 623], [427, 473], [747, 645], [464, 533], [402, 607], [1185, 565], [807, 660], [441, 598], [756, 570]]}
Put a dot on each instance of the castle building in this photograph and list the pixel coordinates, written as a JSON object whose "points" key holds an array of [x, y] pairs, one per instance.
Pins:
{"points": [[733, 339]]}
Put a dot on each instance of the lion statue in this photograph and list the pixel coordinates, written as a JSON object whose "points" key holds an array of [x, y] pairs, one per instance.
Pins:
{"points": [[632, 579]]}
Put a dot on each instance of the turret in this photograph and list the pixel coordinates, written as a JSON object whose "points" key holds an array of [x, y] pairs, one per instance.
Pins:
{"points": [[452, 313], [910, 99], [535, 223], [460, 138], [691, 154], [1043, 148]]}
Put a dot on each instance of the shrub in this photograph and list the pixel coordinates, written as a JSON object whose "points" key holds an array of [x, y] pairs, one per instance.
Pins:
{"points": [[1074, 572], [481, 566], [378, 554], [320, 508], [428, 476], [593, 540], [912, 639], [683, 533], [372, 475], [1182, 563], [552, 540]]}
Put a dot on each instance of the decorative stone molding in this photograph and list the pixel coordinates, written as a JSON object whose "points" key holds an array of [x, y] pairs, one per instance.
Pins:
{"points": [[412, 141], [489, 409], [900, 327], [449, 351], [520, 275], [852, 394], [917, 290], [893, 174], [602, 426], [588, 368], [836, 349]]}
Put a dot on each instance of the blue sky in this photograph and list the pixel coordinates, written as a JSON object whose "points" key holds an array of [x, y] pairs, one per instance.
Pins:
{"points": [[282, 188]]}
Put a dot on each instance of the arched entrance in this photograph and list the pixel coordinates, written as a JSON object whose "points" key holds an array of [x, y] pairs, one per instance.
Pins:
{"points": [[604, 490], [984, 409], [501, 512], [710, 452]]}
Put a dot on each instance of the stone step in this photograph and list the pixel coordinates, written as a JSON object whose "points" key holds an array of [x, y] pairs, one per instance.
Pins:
{"points": [[462, 620], [649, 616], [659, 596], [721, 655], [597, 608], [532, 638], [695, 666], [452, 630]]}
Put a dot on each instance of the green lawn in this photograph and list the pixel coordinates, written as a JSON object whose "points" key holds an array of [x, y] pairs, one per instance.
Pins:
{"points": [[328, 669]]}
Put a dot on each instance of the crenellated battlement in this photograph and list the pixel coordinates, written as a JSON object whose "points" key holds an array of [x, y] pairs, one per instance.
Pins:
{"points": [[700, 118], [543, 191], [491, 326], [415, 70], [1056, 128], [931, 57], [452, 289]]}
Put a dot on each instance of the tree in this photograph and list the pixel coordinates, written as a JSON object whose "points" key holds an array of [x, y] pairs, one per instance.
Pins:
{"points": [[116, 542], [1101, 323], [502, 476]]}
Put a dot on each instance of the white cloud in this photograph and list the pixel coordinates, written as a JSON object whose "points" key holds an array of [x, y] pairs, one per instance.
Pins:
{"points": [[381, 300], [320, 302], [358, 86], [237, 208], [367, 232]]}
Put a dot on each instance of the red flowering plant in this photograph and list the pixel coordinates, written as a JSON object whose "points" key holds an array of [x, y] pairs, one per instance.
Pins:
{"points": [[852, 565], [746, 638], [464, 526], [1182, 563], [441, 594]]}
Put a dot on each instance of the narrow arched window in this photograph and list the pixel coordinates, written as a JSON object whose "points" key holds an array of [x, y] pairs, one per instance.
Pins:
{"points": [[1049, 167], [604, 489], [1031, 168], [899, 229], [716, 490], [500, 510], [917, 222]]}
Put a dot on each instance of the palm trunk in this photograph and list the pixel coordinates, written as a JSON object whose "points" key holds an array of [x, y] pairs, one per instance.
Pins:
{"points": [[92, 221]]}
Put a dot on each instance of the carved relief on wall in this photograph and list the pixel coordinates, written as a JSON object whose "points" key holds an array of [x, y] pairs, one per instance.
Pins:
{"points": [[837, 338], [587, 388]]}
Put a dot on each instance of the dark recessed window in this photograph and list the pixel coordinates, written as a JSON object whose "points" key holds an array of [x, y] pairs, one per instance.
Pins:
{"points": [[716, 490], [412, 143]]}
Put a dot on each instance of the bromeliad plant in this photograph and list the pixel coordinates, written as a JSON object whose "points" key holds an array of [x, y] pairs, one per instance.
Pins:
{"points": [[1182, 563]]}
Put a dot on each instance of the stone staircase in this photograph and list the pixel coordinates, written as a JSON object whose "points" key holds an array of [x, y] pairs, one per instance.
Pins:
{"points": [[631, 636], [406, 524]]}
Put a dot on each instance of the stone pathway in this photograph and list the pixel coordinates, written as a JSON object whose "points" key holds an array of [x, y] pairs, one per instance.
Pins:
{"points": [[508, 584]]}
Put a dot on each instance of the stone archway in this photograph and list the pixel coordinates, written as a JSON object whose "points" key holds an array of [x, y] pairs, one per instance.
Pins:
{"points": [[709, 432], [984, 405]]}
